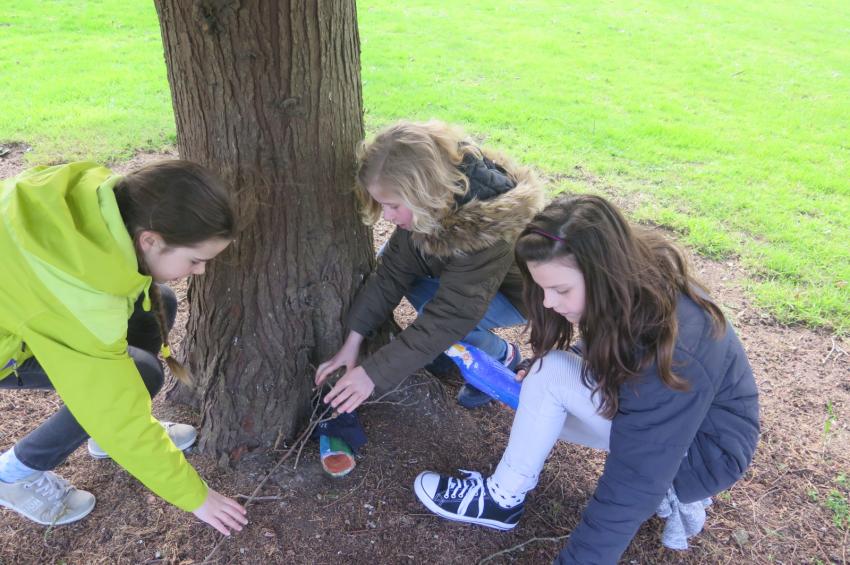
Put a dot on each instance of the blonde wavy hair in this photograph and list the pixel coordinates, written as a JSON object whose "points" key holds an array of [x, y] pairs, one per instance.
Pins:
{"points": [[419, 162]]}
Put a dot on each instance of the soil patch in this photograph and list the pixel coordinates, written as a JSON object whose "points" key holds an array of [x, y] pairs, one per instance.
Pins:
{"points": [[792, 506]]}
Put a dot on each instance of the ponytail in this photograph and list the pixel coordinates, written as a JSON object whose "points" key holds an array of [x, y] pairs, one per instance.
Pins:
{"points": [[158, 309]]}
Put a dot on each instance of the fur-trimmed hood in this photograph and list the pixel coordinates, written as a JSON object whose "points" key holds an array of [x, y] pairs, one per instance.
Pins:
{"points": [[478, 224]]}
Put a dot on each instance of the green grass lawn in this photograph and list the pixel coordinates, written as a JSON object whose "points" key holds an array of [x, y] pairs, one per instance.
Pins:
{"points": [[727, 122], [83, 79]]}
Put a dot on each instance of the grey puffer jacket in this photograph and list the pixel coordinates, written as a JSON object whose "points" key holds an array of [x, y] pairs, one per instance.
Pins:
{"points": [[701, 441]]}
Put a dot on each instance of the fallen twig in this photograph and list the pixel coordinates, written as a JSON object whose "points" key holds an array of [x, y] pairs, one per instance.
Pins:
{"points": [[298, 443], [350, 492], [277, 441], [391, 403], [298, 446], [835, 347], [317, 403], [398, 388], [520, 546]]}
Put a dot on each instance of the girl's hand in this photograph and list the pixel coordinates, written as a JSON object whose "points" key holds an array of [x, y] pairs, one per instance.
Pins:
{"points": [[222, 513], [345, 357], [522, 369], [342, 358], [350, 391]]}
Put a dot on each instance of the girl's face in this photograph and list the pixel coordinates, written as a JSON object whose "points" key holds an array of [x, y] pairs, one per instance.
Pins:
{"points": [[392, 206], [167, 263], [563, 287]]}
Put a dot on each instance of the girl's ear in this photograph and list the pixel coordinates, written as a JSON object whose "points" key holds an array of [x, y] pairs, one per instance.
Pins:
{"points": [[148, 240]]}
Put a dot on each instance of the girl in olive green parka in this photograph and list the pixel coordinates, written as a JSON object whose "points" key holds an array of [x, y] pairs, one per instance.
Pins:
{"points": [[81, 249], [457, 208]]}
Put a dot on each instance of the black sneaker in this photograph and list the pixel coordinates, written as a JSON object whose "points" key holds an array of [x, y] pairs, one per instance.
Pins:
{"points": [[464, 500], [443, 367], [470, 397]]}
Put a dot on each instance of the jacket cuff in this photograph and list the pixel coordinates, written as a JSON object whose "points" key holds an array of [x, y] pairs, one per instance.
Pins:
{"points": [[384, 381], [194, 499], [359, 326]]}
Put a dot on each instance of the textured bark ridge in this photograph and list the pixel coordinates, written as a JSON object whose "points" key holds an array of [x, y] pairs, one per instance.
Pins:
{"points": [[268, 94]]}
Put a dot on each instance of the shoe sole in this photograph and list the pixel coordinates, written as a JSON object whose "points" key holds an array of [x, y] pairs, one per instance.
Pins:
{"points": [[430, 505], [184, 446], [61, 522], [475, 406], [484, 401]]}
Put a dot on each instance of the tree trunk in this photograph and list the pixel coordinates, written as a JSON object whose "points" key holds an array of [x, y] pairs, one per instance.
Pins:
{"points": [[268, 94]]}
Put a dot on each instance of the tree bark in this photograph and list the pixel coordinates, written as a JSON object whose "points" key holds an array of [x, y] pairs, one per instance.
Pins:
{"points": [[268, 94]]}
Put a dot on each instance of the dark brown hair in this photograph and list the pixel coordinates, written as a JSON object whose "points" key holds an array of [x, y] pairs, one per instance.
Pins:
{"points": [[186, 204], [633, 278]]}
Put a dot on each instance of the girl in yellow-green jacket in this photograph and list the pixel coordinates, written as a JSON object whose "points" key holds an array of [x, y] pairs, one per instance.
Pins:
{"points": [[80, 311]]}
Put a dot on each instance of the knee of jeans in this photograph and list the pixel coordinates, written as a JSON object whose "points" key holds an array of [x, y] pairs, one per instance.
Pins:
{"points": [[169, 301], [560, 366], [150, 370], [536, 378]]}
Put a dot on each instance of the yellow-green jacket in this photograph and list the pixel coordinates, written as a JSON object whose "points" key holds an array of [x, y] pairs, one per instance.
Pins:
{"points": [[70, 281]]}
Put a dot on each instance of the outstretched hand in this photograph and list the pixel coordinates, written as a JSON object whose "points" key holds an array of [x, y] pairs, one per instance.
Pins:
{"points": [[222, 513], [328, 368], [345, 357], [350, 391]]}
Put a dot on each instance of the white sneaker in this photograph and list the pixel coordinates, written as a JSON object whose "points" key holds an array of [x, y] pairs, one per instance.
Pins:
{"points": [[46, 498], [182, 435]]}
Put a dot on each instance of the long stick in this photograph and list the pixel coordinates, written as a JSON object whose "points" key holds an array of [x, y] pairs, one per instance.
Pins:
{"points": [[292, 449], [299, 443], [521, 545]]}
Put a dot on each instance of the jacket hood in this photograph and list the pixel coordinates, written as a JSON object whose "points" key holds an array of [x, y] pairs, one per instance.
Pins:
{"points": [[65, 219], [495, 212]]}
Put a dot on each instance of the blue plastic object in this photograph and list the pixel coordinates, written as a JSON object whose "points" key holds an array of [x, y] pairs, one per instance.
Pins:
{"points": [[485, 373]]}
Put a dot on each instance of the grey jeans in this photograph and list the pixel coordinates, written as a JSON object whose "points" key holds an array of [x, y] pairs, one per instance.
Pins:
{"points": [[56, 438]]}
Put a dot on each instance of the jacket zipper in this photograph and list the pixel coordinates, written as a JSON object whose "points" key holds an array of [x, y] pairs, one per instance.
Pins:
{"points": [[17, 376], [423, 263], [14, 364]]}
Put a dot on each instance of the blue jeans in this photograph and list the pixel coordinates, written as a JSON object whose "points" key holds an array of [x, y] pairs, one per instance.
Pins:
{"points": [[500, 313]]}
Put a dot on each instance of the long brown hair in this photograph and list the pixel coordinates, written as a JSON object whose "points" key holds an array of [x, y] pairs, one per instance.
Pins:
{"points": [[186, 204], [633, 278]]}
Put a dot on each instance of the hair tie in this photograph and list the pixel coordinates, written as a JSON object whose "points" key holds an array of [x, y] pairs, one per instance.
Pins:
{"points": [[165, 351], [546, 234]]}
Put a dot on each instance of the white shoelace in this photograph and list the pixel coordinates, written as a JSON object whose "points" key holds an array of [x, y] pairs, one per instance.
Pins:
{"points": [[52, 489], [50, 486], [467, 490]]}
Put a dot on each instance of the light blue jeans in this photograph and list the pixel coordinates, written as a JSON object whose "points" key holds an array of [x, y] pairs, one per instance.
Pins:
{"points": [[501, 313], [553, 404]]}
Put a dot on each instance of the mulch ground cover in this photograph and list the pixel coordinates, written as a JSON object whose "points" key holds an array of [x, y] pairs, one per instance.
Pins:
{"points": [[791, 507]]}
